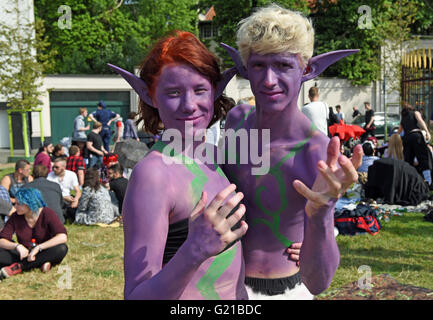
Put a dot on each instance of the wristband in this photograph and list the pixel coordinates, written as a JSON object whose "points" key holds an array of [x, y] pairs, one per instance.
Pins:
{"points": [[17, 246]]}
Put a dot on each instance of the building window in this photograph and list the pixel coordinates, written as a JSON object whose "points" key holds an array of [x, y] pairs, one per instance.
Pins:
{"points": [[207, 31]]}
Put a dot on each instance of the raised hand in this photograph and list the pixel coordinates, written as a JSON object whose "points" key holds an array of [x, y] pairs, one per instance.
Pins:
{"points": [[332, 181], [210, 229]]}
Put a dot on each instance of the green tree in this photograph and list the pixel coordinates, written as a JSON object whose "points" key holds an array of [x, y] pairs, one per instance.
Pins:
{"points": [[22, 65], [113, 31], [229, 13], [345, 25]]}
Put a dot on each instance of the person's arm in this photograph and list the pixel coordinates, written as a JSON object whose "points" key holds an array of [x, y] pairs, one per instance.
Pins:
{"points": [[421, 124], [6, 183], [134, 131], [83, 203], [400, 129], [5, 206], [90, 147], [77, 196], [92, 117], [319, 257], [114, 117], [80, 176], [54, 241], [370, 122], [145, 219]]}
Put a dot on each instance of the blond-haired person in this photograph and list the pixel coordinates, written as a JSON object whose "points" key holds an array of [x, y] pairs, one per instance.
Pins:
{"points": [[80, 127], [294, 200], [395, 148]]}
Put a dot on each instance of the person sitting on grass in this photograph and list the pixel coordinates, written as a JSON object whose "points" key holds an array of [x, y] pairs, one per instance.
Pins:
{"points": [[369, 157], [41, 236], [14, 181], [75, 163], [95, 204], [118, 183]]}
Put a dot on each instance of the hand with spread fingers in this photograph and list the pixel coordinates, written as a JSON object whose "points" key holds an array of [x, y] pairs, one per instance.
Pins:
{"points": [[210, 228], [333, 180]]}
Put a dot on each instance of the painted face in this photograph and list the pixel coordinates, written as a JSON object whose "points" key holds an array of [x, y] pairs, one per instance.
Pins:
{"points": [[275, 79], [184, 95]]}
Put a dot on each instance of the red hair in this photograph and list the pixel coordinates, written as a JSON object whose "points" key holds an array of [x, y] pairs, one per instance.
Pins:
{"points": [[180, 47], [184, 48]]}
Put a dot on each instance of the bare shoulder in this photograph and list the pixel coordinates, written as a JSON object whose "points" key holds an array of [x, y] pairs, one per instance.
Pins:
{"points": [[237, 116], [151, 169]]}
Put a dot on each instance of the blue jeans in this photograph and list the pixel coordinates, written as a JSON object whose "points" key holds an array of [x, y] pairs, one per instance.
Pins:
{"points": [[106, 136], [95, 161]]}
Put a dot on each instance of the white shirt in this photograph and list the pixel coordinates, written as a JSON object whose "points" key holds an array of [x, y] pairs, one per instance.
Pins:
{"points": [[69, 181], [213, 133], [318, 113]]}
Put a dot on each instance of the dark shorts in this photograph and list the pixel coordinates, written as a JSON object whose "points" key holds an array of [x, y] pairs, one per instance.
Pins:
{"points": [[273, 287]]}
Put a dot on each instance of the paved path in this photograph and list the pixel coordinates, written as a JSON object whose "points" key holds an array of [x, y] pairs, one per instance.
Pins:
{"points": [[5, 153]]}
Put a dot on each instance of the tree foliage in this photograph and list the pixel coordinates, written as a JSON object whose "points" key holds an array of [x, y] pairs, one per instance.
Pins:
{"points": [[339, 25], [113, 31], [21, 65], [229, 13]]}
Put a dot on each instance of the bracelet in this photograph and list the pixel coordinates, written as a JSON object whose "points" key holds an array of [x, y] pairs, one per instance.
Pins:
{"points": [[40, 248], [17, 246]]}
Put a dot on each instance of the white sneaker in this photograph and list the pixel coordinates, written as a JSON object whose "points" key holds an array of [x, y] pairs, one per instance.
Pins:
{"points": [[336, 232]]}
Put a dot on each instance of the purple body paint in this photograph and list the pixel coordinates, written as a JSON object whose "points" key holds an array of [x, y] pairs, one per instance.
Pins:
{"points": [[159, 194], [276, 212]]}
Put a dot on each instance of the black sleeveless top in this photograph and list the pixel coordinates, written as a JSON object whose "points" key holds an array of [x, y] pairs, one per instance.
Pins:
{"points": [[409, 122], [178, 232]]}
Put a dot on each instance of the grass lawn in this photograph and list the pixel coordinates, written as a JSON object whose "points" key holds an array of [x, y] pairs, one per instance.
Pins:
{"points": [[93, 267]]}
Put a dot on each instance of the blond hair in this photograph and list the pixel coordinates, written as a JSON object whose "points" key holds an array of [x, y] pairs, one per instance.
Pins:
{"points": [[274, 29], [395, 147]]}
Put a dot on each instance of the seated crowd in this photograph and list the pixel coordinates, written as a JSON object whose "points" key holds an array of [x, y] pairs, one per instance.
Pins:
{"points": [[35, 205]]}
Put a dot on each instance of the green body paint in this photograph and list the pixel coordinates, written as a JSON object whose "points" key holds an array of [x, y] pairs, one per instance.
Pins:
{"points": [[220, 264], [276, 172], [222, 261]]}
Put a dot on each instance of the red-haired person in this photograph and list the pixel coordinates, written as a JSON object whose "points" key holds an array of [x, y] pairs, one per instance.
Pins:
{"points": [[178, 243]]}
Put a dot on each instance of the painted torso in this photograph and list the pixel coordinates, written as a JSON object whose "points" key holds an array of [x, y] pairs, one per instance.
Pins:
{"points": [[274, 210], [179, 187]]}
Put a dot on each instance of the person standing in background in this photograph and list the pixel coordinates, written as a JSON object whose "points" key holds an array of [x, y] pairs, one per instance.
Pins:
{"points": [[94, 145], [355, 113], [340, 114], [80, 127], [130, 131], [369, 126], [317, 111], [105, 117], [119, 134]]}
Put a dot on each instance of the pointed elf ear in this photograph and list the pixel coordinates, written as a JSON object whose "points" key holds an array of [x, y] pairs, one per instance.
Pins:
{"points": [[236, 57], [225, 79], [318, 64], [136, 83]]}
